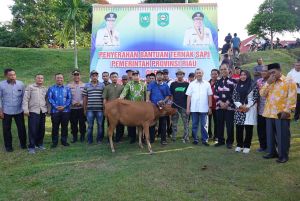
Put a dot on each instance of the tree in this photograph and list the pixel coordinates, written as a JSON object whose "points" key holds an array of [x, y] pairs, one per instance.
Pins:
{"points": [[33, 22], [74, 15], [273, 17], [294, 7]]}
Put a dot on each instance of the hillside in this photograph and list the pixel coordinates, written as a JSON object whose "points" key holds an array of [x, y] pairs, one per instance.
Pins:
{"points": [[28, 62]]}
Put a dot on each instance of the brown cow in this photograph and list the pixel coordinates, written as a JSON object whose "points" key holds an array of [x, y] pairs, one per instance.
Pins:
{"points": [[129, 113]]}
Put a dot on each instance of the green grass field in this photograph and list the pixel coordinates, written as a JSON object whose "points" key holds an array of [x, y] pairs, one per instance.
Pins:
{"points": [[175, 172]]}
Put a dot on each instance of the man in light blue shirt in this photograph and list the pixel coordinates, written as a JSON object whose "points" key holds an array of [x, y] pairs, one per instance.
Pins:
{"points": [[236, 42], [11, 97], [60, 98]]}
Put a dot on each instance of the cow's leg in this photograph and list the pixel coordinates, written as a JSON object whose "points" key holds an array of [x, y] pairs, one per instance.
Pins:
{"points": [[140, 132], [146, 131], [111, 129]]}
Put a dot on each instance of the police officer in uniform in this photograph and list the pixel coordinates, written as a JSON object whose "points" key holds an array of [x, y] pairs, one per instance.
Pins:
{"points": [[108, 36], [198, 34]]}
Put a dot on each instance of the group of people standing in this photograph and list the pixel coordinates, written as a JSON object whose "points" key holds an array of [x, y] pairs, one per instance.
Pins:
{"points": [[266, 101]]}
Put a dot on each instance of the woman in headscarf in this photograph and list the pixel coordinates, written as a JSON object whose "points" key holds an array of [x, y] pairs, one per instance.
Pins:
{"points": [[245, 96]]}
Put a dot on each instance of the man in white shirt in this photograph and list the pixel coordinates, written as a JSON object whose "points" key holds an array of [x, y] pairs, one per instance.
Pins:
{"points": [[295, 75], [108, 36], [198, 34], [199, 103]]}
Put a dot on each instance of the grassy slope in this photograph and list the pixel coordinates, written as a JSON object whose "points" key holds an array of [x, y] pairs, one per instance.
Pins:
{"points": [[82, 172]]}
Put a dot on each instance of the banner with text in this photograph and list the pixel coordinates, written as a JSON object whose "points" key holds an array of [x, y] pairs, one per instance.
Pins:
{"points": [[151, 37]]}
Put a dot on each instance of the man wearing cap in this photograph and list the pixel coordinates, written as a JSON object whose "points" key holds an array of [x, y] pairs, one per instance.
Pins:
{"points": [[112, 92], [93, 106], [108, 36], [198, 34], [134, 90], [159, 93], [60, 99], [35, 107], [129, 74], [280, 93], [77, 113], [179, 98]]}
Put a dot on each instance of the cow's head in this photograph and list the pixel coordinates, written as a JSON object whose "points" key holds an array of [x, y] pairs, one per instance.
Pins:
{"points": [[167, 110]]}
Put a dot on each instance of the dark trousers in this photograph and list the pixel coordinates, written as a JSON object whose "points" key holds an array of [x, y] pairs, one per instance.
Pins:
{"points": [[278, 132], [212, 118], [241, 141], [162, 132], [131, 133], [261, 131], [77, 118], [103, 125], [119, 130], [169, 126], [36, 129], [225, 116], [60, 119], [297, 110], [6, 125]]}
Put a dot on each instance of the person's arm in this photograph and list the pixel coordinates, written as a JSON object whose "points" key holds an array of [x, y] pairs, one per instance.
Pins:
{"points": [[148, 96], [188, 105], [189, 95], [235, 98], [50, 98], [105, 95], [125, 91], [1, 103], [25, 101], [68, 98], [292, 97]]}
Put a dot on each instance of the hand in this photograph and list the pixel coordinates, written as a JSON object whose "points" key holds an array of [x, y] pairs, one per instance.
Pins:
{"points": [[271, 79], [188, 112], [77, 104], [60, 108], [285, 115], [209, 111], [121, 98], [148, 101], [26, 114]]}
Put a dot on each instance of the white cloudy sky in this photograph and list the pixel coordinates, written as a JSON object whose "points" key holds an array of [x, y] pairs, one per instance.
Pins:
{"points": [[233, 15]]}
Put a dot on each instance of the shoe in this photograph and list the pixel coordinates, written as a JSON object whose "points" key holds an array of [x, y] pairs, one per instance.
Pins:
{"points": [[41, 147], [205, 144], [238, 149], [65, 144], [53, 146], [195, 142], [9, 149], [173, 139], [23, 146], [31, 151], [164, 143], [229, 146], [73, 141], [246, 150], [218, 144], [269, 156], [282, 160]]}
